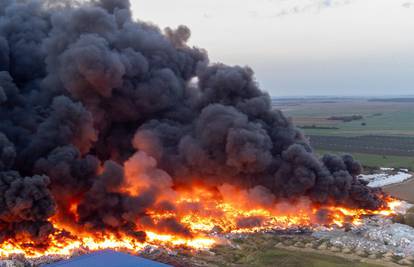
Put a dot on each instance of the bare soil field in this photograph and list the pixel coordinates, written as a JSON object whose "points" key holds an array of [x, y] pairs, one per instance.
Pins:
{"points": [[380, 145], [404, 191], [309, 121]]}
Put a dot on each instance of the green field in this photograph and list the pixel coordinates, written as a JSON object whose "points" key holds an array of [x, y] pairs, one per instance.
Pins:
{"points": [[287, 258], [371, 160], [373, 140], [379, 118]]}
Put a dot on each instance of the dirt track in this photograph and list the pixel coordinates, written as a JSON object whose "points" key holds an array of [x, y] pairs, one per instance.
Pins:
{"points": [[404, 190]]}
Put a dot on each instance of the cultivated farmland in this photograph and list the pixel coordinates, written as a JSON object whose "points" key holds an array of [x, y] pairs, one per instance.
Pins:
{"points": [[382, 136]]}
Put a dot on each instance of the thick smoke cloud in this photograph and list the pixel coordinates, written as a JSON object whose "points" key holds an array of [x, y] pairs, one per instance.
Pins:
{"points": [[112, 114]]}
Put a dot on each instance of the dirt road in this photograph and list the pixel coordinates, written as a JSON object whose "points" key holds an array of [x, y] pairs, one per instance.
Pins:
{"points": [[404, 190]]}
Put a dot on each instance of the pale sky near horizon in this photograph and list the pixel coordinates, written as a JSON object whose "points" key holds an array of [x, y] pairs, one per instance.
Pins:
{"points": [[302, 47]]}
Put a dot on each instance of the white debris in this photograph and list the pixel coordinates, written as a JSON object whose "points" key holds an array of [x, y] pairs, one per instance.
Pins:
{"points": [[377, 235], [386, 169], [383, 179], [7, 263], [398, 236]]}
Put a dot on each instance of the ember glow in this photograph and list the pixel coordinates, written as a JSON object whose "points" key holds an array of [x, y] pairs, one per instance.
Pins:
{"points": [[209, 218]]}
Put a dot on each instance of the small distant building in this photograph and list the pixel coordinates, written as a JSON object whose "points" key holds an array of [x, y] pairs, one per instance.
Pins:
{"points": [[107, 258]]}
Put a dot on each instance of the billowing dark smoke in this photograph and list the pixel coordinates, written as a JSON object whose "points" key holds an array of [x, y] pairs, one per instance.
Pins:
{"points": [[88, 95]]}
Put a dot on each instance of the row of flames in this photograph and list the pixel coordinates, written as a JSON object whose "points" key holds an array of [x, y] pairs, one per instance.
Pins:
{"points": [[211, 215]]}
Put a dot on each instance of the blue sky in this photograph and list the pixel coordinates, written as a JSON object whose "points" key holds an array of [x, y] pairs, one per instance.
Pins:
{"points": [[302, 47]]}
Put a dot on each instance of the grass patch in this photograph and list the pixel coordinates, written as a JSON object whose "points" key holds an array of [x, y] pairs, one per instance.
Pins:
{"points": [[372, 160], [286, 258], [264, 249]]}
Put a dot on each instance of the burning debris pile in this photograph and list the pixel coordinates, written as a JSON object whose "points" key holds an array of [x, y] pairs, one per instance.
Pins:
{"points": [[114, 133]]}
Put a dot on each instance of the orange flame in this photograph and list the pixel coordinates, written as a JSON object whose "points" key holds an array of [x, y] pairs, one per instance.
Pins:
{"points": [[203, 212]]}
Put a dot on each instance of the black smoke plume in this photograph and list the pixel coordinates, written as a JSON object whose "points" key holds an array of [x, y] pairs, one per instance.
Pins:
{"points": [[88, 94]]}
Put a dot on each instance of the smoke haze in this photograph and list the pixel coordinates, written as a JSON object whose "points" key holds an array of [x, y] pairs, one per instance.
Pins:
{"points": [[113, 114]]}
